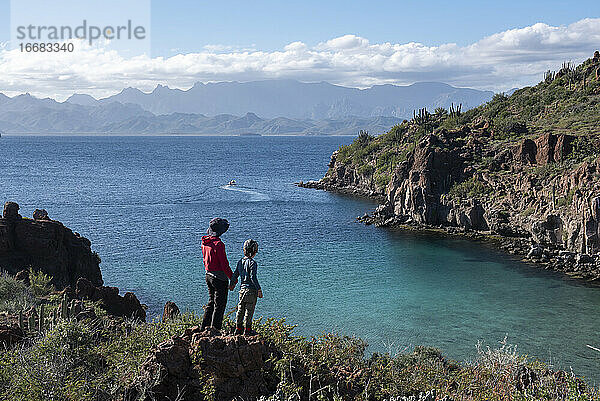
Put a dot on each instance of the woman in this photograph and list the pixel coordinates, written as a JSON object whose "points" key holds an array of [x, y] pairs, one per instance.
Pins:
{"points": [[218, 273]]}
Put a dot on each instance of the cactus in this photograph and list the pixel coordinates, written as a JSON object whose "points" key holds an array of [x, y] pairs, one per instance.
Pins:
{"points": [[21, 320], [41, 318], [422, 118], [64, 311], [32, 318], [74, 309], [455, 112], [549, 76], [440, 112]]}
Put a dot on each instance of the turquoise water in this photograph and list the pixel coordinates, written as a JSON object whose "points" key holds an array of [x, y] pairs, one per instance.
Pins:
{"points": [[145, 202]]}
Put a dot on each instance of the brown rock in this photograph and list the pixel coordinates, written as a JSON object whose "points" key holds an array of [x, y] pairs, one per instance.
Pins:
{"points": [[11, 211], [48, 246], [114, 304], [526, 152], [235, 365], [40, 214], [545, 145], [170, 311], [563, 148]]}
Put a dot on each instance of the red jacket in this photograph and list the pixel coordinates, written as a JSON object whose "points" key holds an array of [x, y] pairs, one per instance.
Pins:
{"points": [[215, 259]]}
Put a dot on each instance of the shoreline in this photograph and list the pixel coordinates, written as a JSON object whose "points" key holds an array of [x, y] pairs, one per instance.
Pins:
{"points": [[519, 247]]}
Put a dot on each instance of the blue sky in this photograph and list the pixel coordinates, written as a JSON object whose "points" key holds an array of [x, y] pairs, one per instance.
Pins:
{"points": [[189, 25], [272, 24], [493, 45]]}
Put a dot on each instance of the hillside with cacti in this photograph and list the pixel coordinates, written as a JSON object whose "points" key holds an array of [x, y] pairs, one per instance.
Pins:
{"points": [[522, 169]]}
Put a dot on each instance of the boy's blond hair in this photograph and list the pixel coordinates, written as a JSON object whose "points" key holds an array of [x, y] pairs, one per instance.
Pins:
{"points": [[250, 248]]}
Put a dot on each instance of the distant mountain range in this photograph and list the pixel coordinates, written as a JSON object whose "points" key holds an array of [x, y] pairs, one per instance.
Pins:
{"points": [[294, 99], [231, 108]]}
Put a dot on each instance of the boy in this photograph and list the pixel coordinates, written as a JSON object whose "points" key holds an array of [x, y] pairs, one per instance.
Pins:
{"points": [[249, 288]]}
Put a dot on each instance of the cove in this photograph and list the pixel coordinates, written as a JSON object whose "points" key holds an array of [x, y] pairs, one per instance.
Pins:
{"points": [[144, 202]]}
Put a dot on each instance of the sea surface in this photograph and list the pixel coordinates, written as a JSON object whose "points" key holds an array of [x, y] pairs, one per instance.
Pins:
{"points": [[145, 202]]}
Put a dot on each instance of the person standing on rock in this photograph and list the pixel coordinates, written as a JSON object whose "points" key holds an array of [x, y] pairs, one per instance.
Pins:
{"points": [[250, 288], [218, 273]]}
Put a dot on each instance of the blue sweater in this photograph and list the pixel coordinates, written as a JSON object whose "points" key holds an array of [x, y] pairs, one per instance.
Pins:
{"points": [[246, 271]]}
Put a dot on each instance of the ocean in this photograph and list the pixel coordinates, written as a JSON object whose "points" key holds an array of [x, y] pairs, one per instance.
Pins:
{"points": [[145, 202]]}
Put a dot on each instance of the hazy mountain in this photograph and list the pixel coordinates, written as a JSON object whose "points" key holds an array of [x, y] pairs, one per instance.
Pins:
{"points": [[27, 114], [296, 100], [275, 107]]}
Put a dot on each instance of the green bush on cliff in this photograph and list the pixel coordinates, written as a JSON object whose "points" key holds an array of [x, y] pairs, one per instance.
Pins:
{"points": [[40, 283], [471, 188], [14, 295], [63, 364]]}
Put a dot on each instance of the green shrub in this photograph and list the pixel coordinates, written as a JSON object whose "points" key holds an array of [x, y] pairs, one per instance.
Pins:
{"points": [[61, 365], [366, 169], [471, 188], [584, 146], [14, 294], [382, 179], [40, 283]]}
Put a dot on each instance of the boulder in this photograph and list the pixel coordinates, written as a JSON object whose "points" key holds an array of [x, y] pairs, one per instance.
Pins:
{"points": [[170, 311], [40, 214], [114, 304], [526, 152], [11, 211], [180, 368], [545, 145]]}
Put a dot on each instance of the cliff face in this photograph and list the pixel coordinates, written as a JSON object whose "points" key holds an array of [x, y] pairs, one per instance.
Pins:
{"points": [[535, 183], [46, 245]]}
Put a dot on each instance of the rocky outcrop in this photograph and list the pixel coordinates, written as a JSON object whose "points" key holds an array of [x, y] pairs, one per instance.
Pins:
{"points": [[46, 245], [187, 366], [170, 311], [109, 298], [345, 179], [548, 216]]}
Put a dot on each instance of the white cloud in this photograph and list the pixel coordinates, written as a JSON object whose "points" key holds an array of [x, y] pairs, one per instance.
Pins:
{"points": [[515, 57]]}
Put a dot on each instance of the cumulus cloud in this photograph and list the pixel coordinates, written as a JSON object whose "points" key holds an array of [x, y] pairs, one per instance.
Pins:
{"points": [[512, 58]]}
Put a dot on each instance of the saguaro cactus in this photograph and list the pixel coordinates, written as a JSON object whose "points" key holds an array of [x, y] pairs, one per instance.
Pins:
{"points": [[64, 307], [41, 318], [21, 320], [455, 112], [32, 319]]}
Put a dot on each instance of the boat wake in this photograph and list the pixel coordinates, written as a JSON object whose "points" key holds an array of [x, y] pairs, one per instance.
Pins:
{"points": [[255, 196]]}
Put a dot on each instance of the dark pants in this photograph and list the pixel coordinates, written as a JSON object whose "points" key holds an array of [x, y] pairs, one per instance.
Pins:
{"points": [[217, 291]]}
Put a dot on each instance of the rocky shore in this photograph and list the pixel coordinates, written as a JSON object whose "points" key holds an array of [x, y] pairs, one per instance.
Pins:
{"points": [[498, 173]]}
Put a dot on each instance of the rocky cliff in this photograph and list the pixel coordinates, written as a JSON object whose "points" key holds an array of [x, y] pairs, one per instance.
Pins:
{"points": [[47, 245], [180, 368], [524, 167]]}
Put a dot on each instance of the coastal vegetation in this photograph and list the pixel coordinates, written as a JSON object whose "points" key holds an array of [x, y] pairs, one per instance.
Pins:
{"points": [[101, 357], [566, 101]]}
